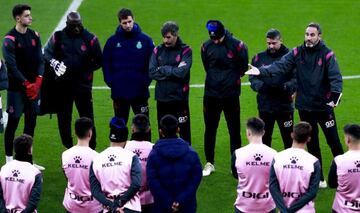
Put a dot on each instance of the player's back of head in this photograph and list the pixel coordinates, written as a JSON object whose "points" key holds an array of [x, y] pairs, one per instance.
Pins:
{"points": [[169, 126], [302, 132], [353, 130], [255, 125], [83, 126]]}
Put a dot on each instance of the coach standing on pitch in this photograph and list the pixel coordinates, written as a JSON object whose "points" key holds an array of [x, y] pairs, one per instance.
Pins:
{"points": [[275, 94], [225, 61], [24, 62], [170, 66], [126, 62], [319, 88], [74, 54]]}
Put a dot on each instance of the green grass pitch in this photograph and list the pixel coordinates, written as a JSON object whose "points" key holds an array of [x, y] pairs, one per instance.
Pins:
{"points": [[247, 20]]}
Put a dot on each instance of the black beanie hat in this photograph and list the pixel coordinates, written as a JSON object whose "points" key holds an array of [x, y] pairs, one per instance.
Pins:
{"points": [[118, 130], [216, 29]]}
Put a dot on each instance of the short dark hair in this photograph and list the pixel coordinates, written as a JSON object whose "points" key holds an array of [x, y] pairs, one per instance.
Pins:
{"points": [[141, 123], [19, 9], [169, 125], [124, 13], [255, 125], [315, 25], [170, 27], [82, 126], [22, 145], [273, 34], [302, 132], [353, 130]]}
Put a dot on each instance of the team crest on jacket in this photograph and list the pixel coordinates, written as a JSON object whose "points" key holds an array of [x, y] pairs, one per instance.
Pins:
{"points": [[83, 47], [139, 45], [178, 58], [230, 54], [320, 62], [33, 42]]}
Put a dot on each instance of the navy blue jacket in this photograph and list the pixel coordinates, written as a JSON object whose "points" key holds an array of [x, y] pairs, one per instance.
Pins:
{"points": [[274, 93], [125, 63], [173, 174]]}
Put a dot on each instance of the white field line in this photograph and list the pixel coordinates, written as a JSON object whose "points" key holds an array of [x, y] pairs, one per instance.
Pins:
{"points": [[75, 4], [202, 85]]}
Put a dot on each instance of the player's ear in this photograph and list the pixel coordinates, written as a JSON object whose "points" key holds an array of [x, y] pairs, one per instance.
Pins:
{"points": [[292, 135]]}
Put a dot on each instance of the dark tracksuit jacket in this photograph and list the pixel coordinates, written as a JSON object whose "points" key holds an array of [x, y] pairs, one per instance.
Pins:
{"points": [[172, 82], [273, 93], [126, 62], [23, 58], [317, 73], [224, 64]]}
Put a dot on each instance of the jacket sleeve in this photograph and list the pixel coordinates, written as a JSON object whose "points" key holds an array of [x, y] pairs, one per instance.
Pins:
{"points": [[8, 50], [179, 72], [312, 189], [96, 55], [334, 74], [194, 179], [256, 83], [155, 185], [40, 69], [49, 50], [274, 188], [242, 56], [154, 67], [204, 58], [332, 177], [107, 61], [135, 181], [233, 166], [291, 86], [95, 187], [284, 65], [34, 197]]}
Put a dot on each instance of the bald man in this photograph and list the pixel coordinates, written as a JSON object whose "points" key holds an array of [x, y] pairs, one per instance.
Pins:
{"points": [[73, 55]]}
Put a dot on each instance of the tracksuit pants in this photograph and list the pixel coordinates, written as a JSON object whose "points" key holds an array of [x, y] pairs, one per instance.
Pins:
{"points": [[285, 121], [212, 111], [327, 122], [139, 106], [179, 109]]}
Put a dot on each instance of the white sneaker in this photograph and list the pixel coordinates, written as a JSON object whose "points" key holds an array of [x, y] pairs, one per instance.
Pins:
{"points": [[41, 168], [208, 169], [323, 184]]}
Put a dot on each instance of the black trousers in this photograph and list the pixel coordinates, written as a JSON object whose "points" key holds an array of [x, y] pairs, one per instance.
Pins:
{"points": [[285, 121], [179, 109], [327, 122], [212, 111], [17, 104], [84, 105], [139, 105]]}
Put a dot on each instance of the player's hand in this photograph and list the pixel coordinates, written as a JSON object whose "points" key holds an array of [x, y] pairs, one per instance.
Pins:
{"points": [[182, 64], [175, 207], [59, 67], [331, 104], [252, 70]]}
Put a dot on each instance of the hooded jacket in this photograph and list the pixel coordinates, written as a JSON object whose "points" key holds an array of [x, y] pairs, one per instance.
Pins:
{"points": [[125, 63], [174, 173]]}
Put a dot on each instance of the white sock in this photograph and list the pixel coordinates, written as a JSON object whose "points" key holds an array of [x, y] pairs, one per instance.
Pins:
{"points": [[9, 158]]}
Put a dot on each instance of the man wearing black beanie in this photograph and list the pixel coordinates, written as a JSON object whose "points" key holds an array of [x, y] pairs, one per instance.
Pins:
{"points": [[225, 60]]}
